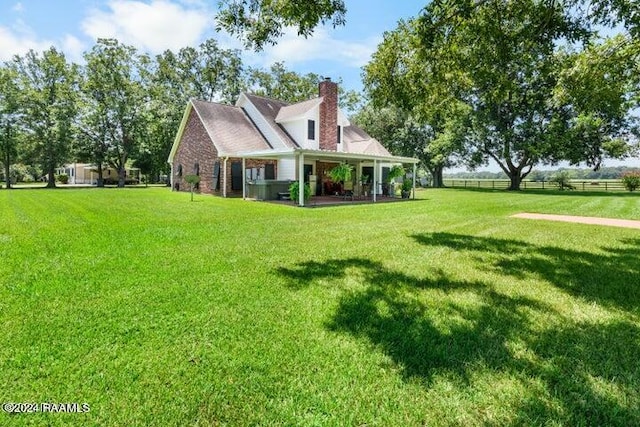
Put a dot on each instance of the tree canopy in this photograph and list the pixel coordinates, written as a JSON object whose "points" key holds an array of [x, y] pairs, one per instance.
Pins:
{"points": [[502, 61], [49, 86], [260, 22]]}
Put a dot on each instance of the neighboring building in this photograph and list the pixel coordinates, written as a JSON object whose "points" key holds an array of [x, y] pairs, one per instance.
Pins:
{"points": [[261, 141], [85, 173]]}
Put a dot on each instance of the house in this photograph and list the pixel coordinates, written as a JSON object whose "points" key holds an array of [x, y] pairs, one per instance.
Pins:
{"points": [[257, 147], [85, 173]]}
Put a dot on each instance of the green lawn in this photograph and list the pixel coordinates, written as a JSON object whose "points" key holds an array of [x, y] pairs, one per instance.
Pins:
{"points": [[441, 311]]}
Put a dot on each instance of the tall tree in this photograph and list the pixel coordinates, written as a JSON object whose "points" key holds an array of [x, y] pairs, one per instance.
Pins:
{"points": [[208, 72], [260, 22], [116, 97], [9, 118], [499, 59], [598, 87], [49, 85], [438, 145]]}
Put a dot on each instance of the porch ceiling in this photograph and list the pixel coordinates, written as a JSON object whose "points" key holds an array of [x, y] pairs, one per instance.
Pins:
{"points": [[322, 155]]}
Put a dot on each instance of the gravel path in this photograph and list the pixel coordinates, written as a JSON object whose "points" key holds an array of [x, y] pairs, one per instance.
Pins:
{"points": [[582, 219]]}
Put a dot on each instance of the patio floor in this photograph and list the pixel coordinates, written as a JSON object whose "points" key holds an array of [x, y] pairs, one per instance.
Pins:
{"points": [[317, 201]]}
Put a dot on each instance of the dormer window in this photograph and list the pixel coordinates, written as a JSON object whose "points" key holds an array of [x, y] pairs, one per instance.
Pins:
{"points": [[311, 130]]}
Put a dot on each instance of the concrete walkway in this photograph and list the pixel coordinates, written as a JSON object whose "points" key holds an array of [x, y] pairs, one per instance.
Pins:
{"points": [[628, 223]]}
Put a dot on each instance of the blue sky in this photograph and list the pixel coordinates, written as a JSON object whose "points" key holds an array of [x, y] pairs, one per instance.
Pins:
{"points": [[155, 25]]}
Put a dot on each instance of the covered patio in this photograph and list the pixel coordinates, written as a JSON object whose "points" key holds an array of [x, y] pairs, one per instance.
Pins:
{"points": [[312, 166]]}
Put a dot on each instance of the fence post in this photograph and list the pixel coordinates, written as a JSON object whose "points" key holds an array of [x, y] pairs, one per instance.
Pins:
{"points": [[582, 185], [543, 185], [605, 186]]}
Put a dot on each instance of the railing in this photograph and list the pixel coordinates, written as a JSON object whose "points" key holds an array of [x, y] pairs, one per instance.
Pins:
{"points": [[501, 184]]}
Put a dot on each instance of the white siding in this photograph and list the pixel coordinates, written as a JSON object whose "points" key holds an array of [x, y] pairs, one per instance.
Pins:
{"points": [[297, 128], [286, 169], [298, 131], [266, 129]]}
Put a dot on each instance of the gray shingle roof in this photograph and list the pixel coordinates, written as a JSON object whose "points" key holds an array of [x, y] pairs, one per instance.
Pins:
{"points": [[229, 127], [358, 141]]}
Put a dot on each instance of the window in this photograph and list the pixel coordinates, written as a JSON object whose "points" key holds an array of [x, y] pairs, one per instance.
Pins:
{"points": [[196, 169], [269, 171], [339, 138], [311, 129], [216, 176], [179, 170]]}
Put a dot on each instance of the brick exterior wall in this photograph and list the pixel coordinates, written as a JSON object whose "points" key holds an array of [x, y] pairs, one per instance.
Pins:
{"points": [[328, 115], [195, 147]]}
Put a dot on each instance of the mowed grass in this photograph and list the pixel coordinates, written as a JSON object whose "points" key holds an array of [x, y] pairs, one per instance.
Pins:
{"points": [[440, 311]]}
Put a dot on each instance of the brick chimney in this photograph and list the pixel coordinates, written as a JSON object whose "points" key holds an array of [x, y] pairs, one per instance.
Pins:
{"points": [[328, 115]]}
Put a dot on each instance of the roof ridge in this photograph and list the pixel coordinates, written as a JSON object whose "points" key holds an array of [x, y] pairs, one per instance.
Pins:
{"points": [[267, 98], [214, 102]]}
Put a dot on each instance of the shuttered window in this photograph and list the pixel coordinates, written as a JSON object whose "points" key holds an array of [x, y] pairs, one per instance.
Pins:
{"points": [[311, 129], [216, 176], [269, 171]]}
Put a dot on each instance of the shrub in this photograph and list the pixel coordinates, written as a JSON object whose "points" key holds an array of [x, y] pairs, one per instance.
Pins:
{"points": [[562, 178], [63, 178], [631, 180]]}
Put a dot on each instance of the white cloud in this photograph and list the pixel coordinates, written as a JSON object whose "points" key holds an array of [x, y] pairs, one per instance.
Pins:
{"points": [[293, 49], [152, 27], [18, 43], [18, 7], [73, 48]]}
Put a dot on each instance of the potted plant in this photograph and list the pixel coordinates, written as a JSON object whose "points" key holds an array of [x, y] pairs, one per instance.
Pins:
{"points": [[294, 192], [341, 173], [407, 185]]}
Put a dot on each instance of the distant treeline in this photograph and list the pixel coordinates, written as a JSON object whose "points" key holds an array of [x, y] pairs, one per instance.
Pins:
{"points": [[546, 175]]}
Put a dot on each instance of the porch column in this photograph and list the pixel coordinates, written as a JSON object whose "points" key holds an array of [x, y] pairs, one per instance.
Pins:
{"points": [[301, 179], [224, 177], [375, 179], [414, 181], [244, 177]]}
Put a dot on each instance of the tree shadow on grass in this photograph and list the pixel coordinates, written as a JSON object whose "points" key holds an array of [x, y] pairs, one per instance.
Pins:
{"points": [[611, 278], [387, 310], [435, 327]]}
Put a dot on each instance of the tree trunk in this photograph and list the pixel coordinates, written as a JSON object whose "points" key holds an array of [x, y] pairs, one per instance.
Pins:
{"points": [[516, 179], [436, 177], [7, 166], [51, 178], [100, 180], [121, 176]]}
